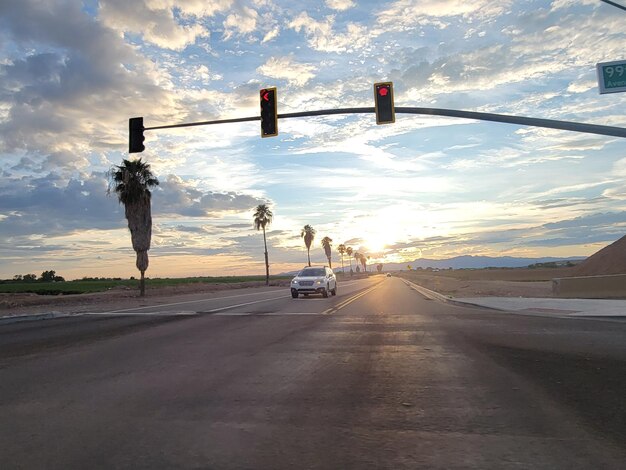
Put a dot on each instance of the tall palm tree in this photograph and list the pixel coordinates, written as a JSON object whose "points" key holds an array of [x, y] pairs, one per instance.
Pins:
{"points": [[308, 233], [131, 181], [262, 218], [341, 249], [327, 245], [364, 262], [357, 258], [349, 253]]}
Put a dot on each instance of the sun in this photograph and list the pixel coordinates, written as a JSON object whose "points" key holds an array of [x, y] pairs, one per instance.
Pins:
{"points": [[376, 243]]}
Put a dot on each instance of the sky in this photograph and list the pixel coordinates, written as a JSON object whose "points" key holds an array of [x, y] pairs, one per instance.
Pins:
{"points": [[73, 72]]}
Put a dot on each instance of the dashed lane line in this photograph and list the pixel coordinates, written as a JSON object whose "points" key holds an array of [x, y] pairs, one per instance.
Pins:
{"points": [[349, 300], [193, 301]]}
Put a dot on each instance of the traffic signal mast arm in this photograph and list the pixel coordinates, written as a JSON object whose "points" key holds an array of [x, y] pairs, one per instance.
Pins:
{"points": [[519, 120]]}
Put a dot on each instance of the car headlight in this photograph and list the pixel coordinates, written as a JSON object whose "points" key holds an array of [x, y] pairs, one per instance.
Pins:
{"points": [[294, 281], [318, 282]]}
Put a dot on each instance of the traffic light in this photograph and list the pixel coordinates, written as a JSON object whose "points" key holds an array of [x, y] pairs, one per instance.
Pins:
{"points": [[269, 114], [135, 135], [383, 98]]}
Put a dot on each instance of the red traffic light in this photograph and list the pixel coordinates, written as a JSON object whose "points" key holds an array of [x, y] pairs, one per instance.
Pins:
{"points": [[269, 112], [383, 99]]}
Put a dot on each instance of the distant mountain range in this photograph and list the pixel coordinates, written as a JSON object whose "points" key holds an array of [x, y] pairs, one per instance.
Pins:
{"points": [[472, 262]]}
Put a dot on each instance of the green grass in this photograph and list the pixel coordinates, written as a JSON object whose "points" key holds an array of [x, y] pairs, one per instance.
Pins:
{"points": [[100, 285]]}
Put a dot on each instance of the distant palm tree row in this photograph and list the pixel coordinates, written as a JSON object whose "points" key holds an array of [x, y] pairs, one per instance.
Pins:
{"points": [[131, 182], [263, 217]]}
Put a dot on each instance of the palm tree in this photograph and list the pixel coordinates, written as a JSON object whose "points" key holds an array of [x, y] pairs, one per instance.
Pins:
{"points": [[262, 218], [327, 245], [341, 249], [364, 262], [131, 181], [357, 258], [349, 253], [308, 233]]}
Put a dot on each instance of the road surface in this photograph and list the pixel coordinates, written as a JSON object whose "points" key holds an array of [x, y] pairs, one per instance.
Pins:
{"points": [[376, 377]]}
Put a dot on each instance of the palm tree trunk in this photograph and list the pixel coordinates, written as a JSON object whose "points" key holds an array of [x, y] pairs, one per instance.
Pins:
{"points": [[330, 263], [308, 254], [267, 263], [342, 271], [142, 285], [142, 265]]}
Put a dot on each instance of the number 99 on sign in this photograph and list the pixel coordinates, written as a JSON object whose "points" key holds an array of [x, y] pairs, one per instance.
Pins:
{"points": [[617, 71]]}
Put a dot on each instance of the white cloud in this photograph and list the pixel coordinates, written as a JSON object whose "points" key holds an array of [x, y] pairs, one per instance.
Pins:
{"points": [[322, 37], [155, 21], [581, 86], [72, 100], [340, 5], [240, 22], [272, 34], [412, 14], [287, 68]]}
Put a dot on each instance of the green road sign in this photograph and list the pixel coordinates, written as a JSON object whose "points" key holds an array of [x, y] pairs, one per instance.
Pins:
{"points": [[612, 76]]}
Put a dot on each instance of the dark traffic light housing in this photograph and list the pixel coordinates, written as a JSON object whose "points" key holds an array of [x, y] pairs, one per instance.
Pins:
{"points": [[135, 135], [269, 112], [383, 99]]}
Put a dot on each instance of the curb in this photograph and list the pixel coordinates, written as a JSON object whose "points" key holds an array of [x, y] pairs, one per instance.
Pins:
{"points": [[22, 318], [432, 295]]}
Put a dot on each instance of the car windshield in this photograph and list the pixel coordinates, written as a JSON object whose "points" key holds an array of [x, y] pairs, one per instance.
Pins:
{"points": [[310, 272]]}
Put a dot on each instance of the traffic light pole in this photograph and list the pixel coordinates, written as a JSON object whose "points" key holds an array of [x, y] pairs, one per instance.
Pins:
{"points": [[519, 120]]}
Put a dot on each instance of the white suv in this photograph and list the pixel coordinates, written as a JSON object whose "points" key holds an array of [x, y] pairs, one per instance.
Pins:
{"points": [[314, 281]]}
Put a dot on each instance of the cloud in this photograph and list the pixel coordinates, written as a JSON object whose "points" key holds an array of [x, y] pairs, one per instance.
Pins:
{"points": [[157, 22], [272, 34], [410, 14], [72, 100], [340, 5], [286, 68], [322, 37], [51, 206], [240, 22], [176, 198]]}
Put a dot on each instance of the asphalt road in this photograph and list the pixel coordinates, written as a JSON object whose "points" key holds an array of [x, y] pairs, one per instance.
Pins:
{"points": [[376, 377]]}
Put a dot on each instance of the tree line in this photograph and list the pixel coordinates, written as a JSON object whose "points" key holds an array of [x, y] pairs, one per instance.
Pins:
{"points": [[263, 216], [46, 276]]}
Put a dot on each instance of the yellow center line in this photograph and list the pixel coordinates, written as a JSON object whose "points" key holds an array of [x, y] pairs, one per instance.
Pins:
{"points": [[349, 300]]}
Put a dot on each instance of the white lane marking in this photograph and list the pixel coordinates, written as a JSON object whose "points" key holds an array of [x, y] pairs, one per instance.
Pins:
{"points": [[269, 314], [288, 313], [349, 300], [228, 307], [123, 314], [193, 301]]}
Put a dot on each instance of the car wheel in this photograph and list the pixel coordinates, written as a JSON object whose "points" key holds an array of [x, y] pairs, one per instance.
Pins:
{"points": [[334, 291], [294, 294], [325, 292]]}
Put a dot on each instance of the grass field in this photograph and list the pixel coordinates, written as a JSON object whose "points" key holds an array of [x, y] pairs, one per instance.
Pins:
{"points": [[83, 286]]}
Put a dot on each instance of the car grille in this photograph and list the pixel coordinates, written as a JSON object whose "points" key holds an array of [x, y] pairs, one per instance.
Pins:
{"points": [[306, 283]]}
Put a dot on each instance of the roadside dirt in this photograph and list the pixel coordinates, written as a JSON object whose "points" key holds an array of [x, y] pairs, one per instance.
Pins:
{"points": [[462, 288], [124, 298], [115, 299]]}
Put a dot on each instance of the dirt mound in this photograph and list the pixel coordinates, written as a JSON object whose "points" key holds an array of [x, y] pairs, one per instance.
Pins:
{"points": [[609, 260]]}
